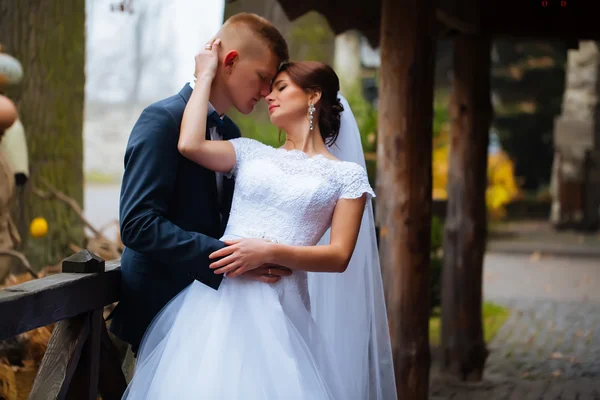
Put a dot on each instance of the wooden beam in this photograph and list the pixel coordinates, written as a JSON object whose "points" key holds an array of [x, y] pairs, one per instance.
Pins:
{"points": [[463, 348], [405, 183], [84, 384], [112, 383], [532, 21], [454, 23], [44, 301], [61, 358]]}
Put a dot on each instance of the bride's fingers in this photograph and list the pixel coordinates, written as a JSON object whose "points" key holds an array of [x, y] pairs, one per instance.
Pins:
{"points": [[212, 44], [225, 251], [222, 262]]}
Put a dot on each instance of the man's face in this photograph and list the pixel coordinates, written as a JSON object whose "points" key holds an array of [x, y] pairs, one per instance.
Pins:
{"points": [[250, 78]]}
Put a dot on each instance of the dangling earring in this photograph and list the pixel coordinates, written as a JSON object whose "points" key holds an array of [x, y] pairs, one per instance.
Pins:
{"points": [[311, 110]]}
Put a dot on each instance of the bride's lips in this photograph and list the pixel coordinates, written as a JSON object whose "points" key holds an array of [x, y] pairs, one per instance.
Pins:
{"points": [[272, 107]]}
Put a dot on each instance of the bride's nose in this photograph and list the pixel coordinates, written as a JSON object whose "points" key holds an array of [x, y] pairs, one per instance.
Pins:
{"points": [[270, 98]]}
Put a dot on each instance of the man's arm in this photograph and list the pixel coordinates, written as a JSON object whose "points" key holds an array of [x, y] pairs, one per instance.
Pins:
{"points": [[151, 164]]}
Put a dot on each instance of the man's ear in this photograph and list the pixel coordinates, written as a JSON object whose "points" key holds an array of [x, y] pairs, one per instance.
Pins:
{"points": [[230, 59]]}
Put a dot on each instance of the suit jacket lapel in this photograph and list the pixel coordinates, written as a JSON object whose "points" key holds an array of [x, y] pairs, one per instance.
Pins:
{"points": [[229, 131]]}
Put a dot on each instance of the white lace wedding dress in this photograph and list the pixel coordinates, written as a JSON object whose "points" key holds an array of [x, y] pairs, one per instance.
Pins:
{"points": [[251, 340]]}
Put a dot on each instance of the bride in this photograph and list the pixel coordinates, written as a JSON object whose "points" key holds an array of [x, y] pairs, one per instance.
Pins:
{"points": [[320, 333]]}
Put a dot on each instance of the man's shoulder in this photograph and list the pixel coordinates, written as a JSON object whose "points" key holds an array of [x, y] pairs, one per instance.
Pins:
{"points": [[173, 104], [157, 118]]}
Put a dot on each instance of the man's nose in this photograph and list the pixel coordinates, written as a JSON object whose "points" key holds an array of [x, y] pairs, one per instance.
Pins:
{"points": [[265, 90]]}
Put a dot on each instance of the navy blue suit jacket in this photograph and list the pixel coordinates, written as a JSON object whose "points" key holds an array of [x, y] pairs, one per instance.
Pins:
{"points": [[170, 218]]}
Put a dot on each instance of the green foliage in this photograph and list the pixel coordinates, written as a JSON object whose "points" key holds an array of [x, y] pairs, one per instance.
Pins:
{"points": [[493, 317], [366, 118], [441, 116], [436, 263], [311, 39], [257, 126]]}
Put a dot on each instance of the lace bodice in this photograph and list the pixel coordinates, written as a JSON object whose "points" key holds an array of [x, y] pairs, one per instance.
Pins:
{"points": [[287, 196]]}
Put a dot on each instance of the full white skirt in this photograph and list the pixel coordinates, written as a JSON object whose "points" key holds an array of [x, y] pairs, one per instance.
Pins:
{"points": [[247, 340]]}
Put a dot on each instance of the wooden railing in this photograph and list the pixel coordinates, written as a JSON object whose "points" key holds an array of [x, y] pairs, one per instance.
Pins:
{"points": [[80, 362]]}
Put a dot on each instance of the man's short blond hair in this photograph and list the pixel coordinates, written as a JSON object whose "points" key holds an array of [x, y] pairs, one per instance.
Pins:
{"points": [[264, 30]]}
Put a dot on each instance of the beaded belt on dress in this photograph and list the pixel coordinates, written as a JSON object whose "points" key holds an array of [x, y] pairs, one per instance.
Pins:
{"points": [[249, 233]]}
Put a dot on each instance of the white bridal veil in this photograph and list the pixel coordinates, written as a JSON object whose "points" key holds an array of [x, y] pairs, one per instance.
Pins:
{"points": [[350, 307]]}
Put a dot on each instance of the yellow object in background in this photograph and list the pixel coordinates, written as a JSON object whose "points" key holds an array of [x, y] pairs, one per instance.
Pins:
{"points": [[38, 227], [502, 185]]}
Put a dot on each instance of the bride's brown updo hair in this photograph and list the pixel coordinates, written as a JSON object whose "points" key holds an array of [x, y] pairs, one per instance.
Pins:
{"points": [[313, 75]]}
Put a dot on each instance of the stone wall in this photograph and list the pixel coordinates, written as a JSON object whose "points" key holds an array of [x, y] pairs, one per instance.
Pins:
{"points": [[576, 169]]}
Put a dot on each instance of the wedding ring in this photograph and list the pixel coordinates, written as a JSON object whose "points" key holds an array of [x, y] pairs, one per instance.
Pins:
{"points": [[208, 47]]}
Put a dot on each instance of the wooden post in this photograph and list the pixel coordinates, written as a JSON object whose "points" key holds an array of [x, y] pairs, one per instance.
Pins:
{"points": [[61, 358], [405, 184], [81, 360], [464, 352], [84, 384], [112, 383]]}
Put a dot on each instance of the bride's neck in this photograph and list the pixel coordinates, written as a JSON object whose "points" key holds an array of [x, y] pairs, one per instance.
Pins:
{"points": [[300, 137]]}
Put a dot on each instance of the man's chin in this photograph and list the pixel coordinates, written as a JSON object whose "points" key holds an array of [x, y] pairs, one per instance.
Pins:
{"points": [[247, 110]]}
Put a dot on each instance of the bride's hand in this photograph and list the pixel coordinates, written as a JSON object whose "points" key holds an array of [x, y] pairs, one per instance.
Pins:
{"points": [[240, 256], [208, 60]]}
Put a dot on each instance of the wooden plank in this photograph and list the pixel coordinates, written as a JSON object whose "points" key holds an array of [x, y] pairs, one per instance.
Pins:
{"points": [[43, 301], [530, 19], [84, 384], [61, 359], [527, 20], [458, 15], [404, 185], [112, 383], [463, 347]]}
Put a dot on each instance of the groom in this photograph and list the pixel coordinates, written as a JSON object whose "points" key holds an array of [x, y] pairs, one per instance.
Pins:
{"points": [[171, 209]]}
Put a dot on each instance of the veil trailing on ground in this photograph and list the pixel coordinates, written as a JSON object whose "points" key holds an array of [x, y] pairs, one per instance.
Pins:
{"points": [[349, 308]]}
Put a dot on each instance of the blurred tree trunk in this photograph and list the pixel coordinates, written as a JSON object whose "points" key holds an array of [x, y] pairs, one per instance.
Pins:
{"points": [[404, 182], [48, 38], [463, 347]]}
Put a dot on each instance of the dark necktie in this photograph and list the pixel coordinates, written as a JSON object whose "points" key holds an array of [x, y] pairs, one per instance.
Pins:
{"points": [[213, 120]]}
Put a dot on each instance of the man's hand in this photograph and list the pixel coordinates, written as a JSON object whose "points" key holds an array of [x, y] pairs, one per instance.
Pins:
{"points": [[268, 274], [241, 256]]}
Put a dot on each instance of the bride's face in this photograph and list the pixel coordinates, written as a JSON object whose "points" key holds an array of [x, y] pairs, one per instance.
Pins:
{"points": [[287, 101]]}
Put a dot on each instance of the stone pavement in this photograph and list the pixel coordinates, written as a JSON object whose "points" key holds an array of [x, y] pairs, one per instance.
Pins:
{"points": [[549, 348], [526, 237]]}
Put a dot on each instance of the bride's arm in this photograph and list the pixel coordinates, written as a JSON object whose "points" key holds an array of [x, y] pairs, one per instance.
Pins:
{"points": [[245, 254], [217, 155]]}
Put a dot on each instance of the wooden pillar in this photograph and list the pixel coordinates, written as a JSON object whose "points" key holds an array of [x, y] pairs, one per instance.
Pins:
{"points": [[464, 351], [405, 184]]}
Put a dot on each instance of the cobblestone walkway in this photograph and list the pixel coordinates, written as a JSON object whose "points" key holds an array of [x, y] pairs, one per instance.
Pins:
{"points": [[549, 348]]}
